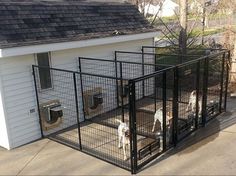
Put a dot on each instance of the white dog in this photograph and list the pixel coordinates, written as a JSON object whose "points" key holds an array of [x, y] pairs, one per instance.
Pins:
{"points": [[192, 103], [123, 136], [159, 116]]}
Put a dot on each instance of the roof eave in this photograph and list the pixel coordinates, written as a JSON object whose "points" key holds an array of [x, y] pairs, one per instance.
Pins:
{"points": [[24, 50]]}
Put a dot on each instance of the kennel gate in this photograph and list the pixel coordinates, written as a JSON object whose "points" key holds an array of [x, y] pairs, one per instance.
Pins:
{"points": [[147, 87]]}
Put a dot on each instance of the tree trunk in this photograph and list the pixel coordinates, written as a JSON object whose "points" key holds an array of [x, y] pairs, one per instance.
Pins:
{"points": [[233, 72], [183, 25]]}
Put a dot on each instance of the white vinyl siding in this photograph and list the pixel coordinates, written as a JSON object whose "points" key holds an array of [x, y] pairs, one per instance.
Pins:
{"points": [[18, 85]]}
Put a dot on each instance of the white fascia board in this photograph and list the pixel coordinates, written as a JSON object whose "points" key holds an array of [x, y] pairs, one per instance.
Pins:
{"points": [[16, 51]]}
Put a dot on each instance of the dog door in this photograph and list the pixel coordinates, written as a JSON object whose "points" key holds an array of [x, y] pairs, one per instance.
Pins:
{"points": [[93, 101], [123, 92], [51, 114]]}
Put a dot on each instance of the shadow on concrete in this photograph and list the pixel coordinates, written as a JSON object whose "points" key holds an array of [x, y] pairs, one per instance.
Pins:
{"points": [[210, 132]]}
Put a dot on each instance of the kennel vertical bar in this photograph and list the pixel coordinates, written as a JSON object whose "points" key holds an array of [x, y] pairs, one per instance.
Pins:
{"points": [[143, 84], [117, 89], [122, 92], [164, 108], [155, 94], [197, 93], [81, 87], [132, 126], [155, 81], [227, 80], [222, 82], [37, 100], [204, 91], [175, 105], [77, 110]]}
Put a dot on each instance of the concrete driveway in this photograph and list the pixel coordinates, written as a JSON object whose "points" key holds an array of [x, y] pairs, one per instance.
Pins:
{"points": [[213, 155]]}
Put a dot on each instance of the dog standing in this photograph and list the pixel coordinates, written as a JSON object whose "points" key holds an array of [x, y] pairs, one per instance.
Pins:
{"points": [[192, 103], [123, 137], [159, 116]]}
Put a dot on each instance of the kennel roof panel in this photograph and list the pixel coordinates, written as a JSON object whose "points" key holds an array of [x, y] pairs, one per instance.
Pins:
{"points": [[33, 22]]}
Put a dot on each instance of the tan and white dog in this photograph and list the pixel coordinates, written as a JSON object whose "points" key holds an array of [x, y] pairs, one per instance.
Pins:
{"points": [[192, 103], [123, 137], [159, 117]]}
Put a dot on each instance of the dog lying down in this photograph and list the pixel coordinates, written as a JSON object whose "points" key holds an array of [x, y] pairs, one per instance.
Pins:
{"points": [[159, 117], [123, 137]]}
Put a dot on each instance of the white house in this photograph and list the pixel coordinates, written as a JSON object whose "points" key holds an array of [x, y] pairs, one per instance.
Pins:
{"points": [[55, 33], [164, 8]]}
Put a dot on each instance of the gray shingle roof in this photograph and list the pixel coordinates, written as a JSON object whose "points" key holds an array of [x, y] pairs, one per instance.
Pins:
{"points": [[37, 22]]}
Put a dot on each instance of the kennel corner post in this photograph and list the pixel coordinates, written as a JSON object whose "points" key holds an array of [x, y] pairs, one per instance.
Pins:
{"points": [[77, 109], [204, 91], [175, 105], [132, 126], [81, 87], [37, 100]]}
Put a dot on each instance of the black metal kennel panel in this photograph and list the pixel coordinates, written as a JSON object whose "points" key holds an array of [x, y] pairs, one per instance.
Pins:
{"points": [[151, 117], [58, 104], [225, 78], [182, 93], [147, 65], [171, 55], [141, 58], [99, 131], [216, 84], [173, 50], [80, 110], [160, 104], [189, 78], [123, 71]]}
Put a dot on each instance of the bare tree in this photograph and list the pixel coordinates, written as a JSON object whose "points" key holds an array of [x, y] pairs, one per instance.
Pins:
{"points": [[179, 33], [227, 7], [183, 26], [144, 6]]}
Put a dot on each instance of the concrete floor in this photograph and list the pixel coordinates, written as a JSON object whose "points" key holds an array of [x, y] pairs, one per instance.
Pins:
{"points": [[213, 155]]}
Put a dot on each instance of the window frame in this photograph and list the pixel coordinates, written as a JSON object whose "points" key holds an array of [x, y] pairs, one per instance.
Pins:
{"points": [[50, 64]]}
